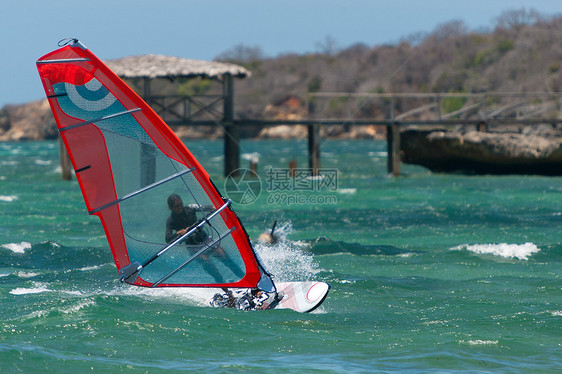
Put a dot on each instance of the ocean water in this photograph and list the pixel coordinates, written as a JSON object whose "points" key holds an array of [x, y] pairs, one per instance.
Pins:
{"points": [[429, 273]]}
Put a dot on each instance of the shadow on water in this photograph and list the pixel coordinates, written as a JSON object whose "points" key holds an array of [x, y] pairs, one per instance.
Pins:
{"points": [[325, 246]]}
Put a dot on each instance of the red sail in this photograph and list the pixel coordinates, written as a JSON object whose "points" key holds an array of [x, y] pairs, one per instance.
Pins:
{"points": [[128, 162]]}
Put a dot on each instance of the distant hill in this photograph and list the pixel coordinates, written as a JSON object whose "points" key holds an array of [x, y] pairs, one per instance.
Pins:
{"points": [[521, 54]]}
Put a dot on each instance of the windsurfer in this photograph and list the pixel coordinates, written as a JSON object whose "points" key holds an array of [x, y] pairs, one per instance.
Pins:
{"points": [[269, 237], [180, 221]]}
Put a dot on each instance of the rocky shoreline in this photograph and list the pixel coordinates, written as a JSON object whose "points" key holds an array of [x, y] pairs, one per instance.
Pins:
{"points": [[505, 150], [527, 150], [34, 121]]}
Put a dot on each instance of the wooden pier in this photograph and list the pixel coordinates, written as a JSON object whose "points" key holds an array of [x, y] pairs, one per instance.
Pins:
{"points": [[393, 111], [425, 110]]}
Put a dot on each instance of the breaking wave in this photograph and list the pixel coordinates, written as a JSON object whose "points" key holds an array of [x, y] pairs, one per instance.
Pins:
{"points": [[519, 251], [32, 290], [8, 198], [17, 247]]}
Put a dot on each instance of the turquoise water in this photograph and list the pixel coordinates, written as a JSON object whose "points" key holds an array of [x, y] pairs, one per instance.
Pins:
{"points": [[429, 273]]}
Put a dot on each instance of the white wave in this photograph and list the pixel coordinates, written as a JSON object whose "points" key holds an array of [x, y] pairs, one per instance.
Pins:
{"points": [[347, 191], [75, 293], [92, 267], [25, 274], [376, 154], [89, 268], [255, 156], [436, 322], [8, 198], [17, 247], [76, 308], [34, 314], [197, 296], [480, 342], [519, 251], [319, 177], [27, 291], [287, 260], [556, 313], [43, 162], [66, 309]]}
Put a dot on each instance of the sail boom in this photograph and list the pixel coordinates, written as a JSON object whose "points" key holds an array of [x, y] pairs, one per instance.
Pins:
{"points": [[149, 187], [195, 255], [194, 228], [135, 268]]}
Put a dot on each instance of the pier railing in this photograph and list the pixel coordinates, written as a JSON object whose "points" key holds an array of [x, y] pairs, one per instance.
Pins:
{"points": [[396, 111], [389, 111], [441, 107]]}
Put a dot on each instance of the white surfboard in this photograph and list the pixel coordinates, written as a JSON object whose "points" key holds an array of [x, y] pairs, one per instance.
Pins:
{"points": [[302, 297]]}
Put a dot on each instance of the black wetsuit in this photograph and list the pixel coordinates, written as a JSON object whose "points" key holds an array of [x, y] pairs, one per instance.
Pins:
{"points": [[186, 218]]}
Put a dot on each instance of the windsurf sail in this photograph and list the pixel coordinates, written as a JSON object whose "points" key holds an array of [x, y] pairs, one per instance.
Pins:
{"points": [[128, 162]]}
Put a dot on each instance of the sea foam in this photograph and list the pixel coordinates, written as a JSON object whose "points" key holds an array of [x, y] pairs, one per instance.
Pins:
{"points": [[347, 191], [479, 342], [255, 156], [17, 247], [194, 296], [26, 274], [519, 251], [8, 198], [287, 260], [43, 162], [26, 291]]}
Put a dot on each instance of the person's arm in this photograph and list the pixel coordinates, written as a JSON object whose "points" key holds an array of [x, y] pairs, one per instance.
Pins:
{"points": [[170, 235]]}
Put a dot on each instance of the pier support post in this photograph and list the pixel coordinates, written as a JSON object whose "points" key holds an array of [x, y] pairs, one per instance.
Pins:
{"points": [[231, 130], [482, 126], [293, 167], [231, 149], [393, 148], [314, 148]]}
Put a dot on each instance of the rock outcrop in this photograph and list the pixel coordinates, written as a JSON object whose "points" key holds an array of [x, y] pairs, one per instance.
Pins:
{"points": [[32, 121], [531, 151]]}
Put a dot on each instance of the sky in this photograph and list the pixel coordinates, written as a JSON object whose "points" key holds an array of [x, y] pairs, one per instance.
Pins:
{"points": [[203, 29]]}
